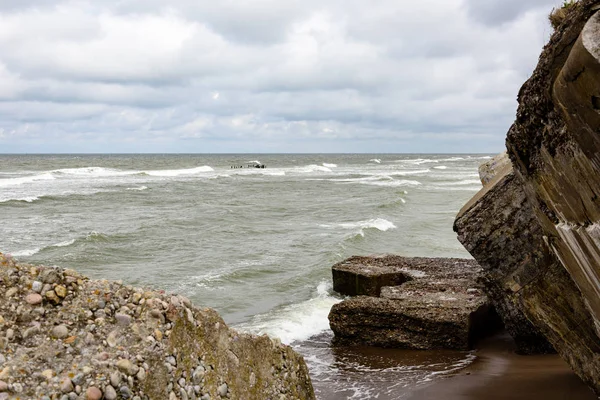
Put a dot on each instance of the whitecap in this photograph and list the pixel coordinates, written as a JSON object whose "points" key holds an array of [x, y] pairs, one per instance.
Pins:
{"points": [[178, 172], [93, 172], [330, 165], [296, 322], [26, 179], [27, 199], [140, 188], [312, 168], [63, 244], [380, 224], [441, 167], [25, 253], [375, 160]]}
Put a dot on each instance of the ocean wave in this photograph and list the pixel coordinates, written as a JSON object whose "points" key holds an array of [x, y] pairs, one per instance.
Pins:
{"points": [[462, 183], [256, 171], [25, 253], [179, 172], [140, 188], [30, 252], [380, 224], [441, 167], [417, 161], [93, 172], [26, 179], [375, 160], [330, 165], [24, 199], [373, 180], [296, 322], [311, 168]]}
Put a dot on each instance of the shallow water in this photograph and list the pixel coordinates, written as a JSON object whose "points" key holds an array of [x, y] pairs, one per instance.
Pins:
{"points": [[255, 244]]}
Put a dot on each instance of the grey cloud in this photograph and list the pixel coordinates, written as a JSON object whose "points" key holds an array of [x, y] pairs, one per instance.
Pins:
{"points": [[498, 12], [322, 74]]}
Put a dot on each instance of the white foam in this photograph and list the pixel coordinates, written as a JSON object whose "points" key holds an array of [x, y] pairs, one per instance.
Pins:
{"points": [[380, 224], [441, 167], [311, 168], [375, 160], [417, 161], [375, 180], [26, 179], [253, 162], [63, 244], [330, 165], [28, 199], [392, 183], [25, 253], [257, 171], [296, 322], [93, 172], [138, 188], [178, 172]]}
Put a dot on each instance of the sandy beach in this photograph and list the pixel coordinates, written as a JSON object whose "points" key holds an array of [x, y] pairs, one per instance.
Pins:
{"points": [[500, 373]]}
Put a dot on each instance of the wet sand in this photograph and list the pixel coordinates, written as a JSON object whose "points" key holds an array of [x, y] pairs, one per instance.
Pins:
{"points": [[500, 373]]}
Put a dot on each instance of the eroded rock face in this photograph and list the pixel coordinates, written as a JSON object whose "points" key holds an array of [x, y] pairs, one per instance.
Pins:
{"points": [[498, 227], [102, 339], [435, 303], [554, 146]]}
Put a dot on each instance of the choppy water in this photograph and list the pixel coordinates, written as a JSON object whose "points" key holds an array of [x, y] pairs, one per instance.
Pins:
{"points": [[255, 244]]}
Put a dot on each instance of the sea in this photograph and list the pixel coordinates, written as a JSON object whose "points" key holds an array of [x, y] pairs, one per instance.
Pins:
{"points": [[255, 244]]}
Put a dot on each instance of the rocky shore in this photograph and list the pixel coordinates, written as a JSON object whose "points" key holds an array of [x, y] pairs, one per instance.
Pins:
{"points": [[65, 337]]}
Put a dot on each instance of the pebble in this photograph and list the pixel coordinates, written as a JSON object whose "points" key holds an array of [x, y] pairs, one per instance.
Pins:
{"points": [[51, 296], [93, 393], [171, 360], [112, 338], [11, 292], [222, 390], [110, 393], [78, 379], [37, 286], [10, 334], [141, 375], [127, 367], [48, 374], [125, 392], [115, 379], [60, 291], [66, 385], [123, 319], [3, 386], [183, 394], [60, 332], [33, 299]]}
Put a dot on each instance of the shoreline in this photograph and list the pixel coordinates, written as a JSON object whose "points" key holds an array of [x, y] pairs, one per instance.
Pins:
{"points": [[500, 373]]}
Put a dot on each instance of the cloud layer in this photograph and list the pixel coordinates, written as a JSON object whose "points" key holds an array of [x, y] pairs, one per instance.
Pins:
{"points": [[264, 75]]}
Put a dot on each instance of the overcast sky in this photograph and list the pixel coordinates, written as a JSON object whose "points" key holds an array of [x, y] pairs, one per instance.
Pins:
{"points": [[264, 75]]}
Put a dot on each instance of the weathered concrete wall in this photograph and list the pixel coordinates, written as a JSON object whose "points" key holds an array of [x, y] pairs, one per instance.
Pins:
{"points": [[554, 146], [434, 303]]}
